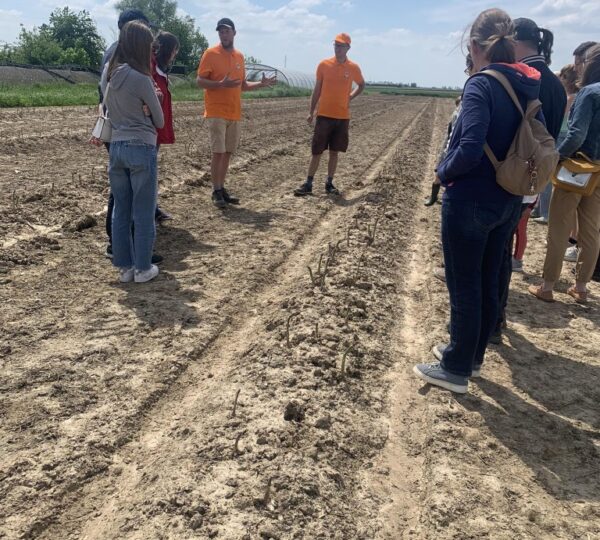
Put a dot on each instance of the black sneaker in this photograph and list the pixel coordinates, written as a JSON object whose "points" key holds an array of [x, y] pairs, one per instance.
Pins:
{"points": [[160, 215], [156, 258], [229, 199], [331, 189], [218, 199], [108, 253], [304, 189]]}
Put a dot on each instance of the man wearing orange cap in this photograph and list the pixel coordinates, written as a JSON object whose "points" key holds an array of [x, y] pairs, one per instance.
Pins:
{"points": [[333, 93], [222, 75]]}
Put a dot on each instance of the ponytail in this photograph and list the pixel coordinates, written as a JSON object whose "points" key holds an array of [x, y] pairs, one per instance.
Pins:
{"points": [[493, 31], [545, 44]]}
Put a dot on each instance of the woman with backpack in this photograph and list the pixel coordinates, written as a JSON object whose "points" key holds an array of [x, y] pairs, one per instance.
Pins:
{"points": [[135, 114], [583, 136], [478, 215]]}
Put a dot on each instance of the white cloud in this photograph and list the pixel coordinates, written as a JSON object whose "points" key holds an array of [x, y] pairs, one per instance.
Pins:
{"points": [[9, 25]]}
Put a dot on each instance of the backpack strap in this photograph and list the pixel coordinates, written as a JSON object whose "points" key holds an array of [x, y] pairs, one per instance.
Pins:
{"points": [[501, 78]]}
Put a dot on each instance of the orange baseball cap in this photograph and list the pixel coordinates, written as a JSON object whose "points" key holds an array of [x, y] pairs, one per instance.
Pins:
{"points": [[343, 38]]}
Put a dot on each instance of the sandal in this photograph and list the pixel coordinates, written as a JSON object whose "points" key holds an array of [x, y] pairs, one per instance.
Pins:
{"points": [[540, 293], [581, 297]]}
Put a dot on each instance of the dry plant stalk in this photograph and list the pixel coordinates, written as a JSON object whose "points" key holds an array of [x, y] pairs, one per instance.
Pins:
{"points": [[267, 495], [287, 328], [318, 279], [371, 232], [343, 368], [235, 402], [236, 448]]}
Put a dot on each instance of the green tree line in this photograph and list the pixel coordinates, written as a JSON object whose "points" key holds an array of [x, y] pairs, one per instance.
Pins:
{"points": [[68, 38], [71, 37]]}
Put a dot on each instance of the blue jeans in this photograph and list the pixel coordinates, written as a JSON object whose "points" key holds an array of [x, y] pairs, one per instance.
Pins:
{"points": [[474, 238], [133, 183]]}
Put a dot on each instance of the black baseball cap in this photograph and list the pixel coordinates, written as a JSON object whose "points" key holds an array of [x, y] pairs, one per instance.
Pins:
{"points": [[225, 22], [526, 30], [132, 15]]}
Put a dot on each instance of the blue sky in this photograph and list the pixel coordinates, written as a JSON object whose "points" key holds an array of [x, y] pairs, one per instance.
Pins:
{"points": [[401, 41]]}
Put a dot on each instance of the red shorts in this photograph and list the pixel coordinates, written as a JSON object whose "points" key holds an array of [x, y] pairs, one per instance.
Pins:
{"points": [[330, 133]]}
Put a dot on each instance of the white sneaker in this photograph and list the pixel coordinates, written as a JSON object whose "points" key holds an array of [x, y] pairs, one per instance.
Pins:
{"points": [[126, 274], [141, 276], [571, 254]]}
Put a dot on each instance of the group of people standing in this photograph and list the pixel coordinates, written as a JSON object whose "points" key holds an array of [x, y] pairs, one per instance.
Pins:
{"points": [[479, 218], [135, 94]]}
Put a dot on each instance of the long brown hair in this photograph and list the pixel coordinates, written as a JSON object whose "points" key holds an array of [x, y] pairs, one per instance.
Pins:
{"points": [[493, 31], [568, 78], [164, 44], [591, 69], [134, 48]]}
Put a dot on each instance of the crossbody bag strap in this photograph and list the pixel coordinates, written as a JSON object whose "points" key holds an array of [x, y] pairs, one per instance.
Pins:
{"points": [[105, 96]]}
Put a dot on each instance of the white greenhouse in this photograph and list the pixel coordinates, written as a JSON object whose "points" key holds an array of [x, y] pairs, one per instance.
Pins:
{"points": [[295, 79]]}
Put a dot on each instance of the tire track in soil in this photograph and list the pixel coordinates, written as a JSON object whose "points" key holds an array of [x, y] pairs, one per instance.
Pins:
{"points": [[396, 478], [108, 329], [198, 397]]}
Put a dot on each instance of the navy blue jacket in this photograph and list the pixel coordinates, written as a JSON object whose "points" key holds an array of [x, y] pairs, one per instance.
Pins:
{"points": [[488, 114], [584, 125]]}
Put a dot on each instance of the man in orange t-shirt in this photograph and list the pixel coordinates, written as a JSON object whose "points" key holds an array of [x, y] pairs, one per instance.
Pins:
{"points": [[333, 93], [222, 75]]}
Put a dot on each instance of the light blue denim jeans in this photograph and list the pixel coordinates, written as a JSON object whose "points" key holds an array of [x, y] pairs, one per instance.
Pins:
{"points": [[133, 182]]}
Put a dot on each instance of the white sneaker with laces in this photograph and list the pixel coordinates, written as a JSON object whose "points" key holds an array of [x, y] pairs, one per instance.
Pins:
{"points": [[126, 274], [142, 276], [571, 254]]}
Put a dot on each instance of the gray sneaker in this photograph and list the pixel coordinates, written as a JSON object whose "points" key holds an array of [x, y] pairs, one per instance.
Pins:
{"points": [[438, 352], [438, 376], [517, 266]]}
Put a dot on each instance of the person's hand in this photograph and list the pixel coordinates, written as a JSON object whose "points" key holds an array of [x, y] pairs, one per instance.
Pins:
{"points": [[226, 82], [146, 110], [95, 141], [437, 180], [310, 118], [268, 81]]}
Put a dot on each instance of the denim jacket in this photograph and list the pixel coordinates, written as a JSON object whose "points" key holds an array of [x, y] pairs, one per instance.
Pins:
{"points": [[584, 125]]}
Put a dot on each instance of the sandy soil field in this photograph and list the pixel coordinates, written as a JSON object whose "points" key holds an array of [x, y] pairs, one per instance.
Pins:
{"points": [[239, 397]]}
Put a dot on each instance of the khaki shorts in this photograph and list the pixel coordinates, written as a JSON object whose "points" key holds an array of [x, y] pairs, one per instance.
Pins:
{"points": [[224, 135]]}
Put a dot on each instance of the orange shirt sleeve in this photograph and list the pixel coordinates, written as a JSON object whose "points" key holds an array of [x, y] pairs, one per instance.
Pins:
{"points": [[320, 70], [358, 78], [205, 68]]}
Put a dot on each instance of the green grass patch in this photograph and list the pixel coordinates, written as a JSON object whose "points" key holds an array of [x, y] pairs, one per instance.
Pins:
{"points": [[188, 91], [61, 94], [47, 94], [403, 91]]}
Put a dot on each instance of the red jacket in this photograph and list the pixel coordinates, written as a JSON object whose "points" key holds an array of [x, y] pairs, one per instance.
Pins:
{"points": [[165, 135]]}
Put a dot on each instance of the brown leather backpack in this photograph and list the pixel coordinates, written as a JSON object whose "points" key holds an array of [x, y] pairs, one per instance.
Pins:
{"points": [[532, 157]]}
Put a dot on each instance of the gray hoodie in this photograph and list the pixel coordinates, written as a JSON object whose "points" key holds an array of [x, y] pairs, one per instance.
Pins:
{"points": [[129, 91]]}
